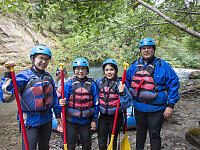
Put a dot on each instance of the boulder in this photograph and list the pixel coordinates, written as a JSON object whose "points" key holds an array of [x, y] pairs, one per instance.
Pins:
{"points": [[194, 75], [193, 136]]}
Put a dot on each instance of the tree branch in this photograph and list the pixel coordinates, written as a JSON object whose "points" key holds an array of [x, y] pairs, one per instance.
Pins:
{"points": [[126, 28], [171, 21], [185, 12]]}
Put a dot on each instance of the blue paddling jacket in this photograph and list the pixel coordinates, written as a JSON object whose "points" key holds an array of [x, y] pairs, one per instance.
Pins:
{"points": [[37, 95], [159, 89]]}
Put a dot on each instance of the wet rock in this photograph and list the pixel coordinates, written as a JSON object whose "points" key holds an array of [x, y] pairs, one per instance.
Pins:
{"points": [[194, 75]]}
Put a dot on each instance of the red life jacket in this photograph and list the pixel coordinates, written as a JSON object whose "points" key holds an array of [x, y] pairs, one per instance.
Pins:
{"points": [[108, 96], [147, 92], [81, 99], [37, 95]]}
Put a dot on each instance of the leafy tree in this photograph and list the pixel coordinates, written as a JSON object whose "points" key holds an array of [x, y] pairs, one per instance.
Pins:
{"points": [[106, 28]]}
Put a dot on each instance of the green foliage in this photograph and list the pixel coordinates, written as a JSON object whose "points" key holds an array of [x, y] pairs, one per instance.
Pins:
{"points": [[98, 30], [176, 53], [192, 44]]}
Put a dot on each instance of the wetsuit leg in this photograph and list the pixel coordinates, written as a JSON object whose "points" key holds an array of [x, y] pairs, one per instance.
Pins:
{"points": [[32, 136], [103, 131], [44, 136], [141, 129], [155, 120], [85, 136], [71, 130]]}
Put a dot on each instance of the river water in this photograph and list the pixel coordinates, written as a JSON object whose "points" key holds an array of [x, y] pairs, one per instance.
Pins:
{"points": [[95, 72]]}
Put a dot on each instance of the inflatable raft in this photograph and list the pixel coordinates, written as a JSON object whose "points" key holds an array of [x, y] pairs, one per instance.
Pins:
{"points": [[131, 123]]}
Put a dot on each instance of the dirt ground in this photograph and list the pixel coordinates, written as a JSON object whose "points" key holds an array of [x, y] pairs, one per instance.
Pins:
{"points": [[186, 115]]}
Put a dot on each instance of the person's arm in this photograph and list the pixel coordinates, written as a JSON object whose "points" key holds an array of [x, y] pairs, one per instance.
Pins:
{"points": [[67, 91], [124, 95], [57, 110], [7, 93], [172, 85], [96, 101]]}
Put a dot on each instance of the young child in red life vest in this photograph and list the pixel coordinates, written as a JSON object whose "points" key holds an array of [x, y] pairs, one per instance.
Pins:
{"points": [[110, 88], [81, 101]]}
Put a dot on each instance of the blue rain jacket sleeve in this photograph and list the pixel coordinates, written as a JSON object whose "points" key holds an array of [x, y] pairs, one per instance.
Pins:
{"points": [[125, 97], [7, 89], [96, 100], [172, 85]]}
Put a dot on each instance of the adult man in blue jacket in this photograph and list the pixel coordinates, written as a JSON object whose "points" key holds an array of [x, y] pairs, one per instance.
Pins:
{"points": [[156, 96]]}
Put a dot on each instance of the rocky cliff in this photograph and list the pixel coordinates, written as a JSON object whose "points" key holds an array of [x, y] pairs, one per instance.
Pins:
{"points": [[17, 38]]}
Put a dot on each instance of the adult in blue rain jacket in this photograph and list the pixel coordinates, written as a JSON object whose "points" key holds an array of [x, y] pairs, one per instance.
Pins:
{"points": [[110, 89], [37, 95], [157, 95], [81, 101]]}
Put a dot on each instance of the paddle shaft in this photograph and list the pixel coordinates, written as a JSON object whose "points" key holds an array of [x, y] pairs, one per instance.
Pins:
{"points": [[63, 108], [19, 108], [118, 103], [125, 115]]}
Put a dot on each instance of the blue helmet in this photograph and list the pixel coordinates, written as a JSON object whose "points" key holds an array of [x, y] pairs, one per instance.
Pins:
{"points": [[146, 41], [81, 62], [110, 61], [40, 49]]}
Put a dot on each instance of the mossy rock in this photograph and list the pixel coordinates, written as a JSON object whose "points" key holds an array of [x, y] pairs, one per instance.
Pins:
{"points": [[195, 132], [193, 136]]}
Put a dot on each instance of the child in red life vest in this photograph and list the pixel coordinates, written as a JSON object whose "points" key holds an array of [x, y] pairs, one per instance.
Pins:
{"points": [[81, 101], [110, 88], [38, 96]]}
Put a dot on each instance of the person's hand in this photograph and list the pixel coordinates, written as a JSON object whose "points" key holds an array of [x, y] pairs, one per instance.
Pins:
{"points": [[59, 125], [168, 112], [59, 122], [121, 87], [9, 64], [93, 125], [62, 102]]}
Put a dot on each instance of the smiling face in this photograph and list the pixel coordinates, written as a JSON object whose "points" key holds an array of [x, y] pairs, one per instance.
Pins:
{"points": [[41, 61], [109, 71], [80, 71], [147, 52]]}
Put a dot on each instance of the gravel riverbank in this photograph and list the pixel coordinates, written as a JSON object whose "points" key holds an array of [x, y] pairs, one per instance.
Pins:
{"points": [[186, 115]]}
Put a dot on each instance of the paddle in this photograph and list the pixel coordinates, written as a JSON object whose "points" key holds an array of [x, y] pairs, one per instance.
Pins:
{"points": [[137, 88], [63, 107], [19, 107], [125, 145], [110, 146]]}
